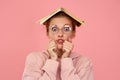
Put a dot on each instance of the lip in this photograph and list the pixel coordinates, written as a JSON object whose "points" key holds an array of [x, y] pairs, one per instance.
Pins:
{"points": [[60, 41]]}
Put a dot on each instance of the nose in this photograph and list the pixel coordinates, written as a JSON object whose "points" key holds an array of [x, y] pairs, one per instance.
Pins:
{"points": [[60, 33]]}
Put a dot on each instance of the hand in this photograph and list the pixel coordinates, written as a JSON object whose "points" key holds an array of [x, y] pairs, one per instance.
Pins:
{"points": [[51, 48], [67, 48]]}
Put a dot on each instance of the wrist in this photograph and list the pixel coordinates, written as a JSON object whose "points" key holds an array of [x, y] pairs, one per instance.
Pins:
{"points": [[65, 55], [54, 58]]}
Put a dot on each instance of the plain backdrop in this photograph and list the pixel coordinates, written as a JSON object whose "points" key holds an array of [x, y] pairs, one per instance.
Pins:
{"points": [[98, 38]]}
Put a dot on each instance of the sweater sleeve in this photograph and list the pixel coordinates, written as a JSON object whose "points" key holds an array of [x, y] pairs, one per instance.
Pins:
{"points": [[36, 69], [69, 72]]}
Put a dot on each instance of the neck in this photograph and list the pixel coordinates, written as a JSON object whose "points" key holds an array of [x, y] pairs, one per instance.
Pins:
{"points": [[59, 53]]}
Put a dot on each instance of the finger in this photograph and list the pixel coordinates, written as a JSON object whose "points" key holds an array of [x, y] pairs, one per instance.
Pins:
{"points": [[67, 43], [51, 45], [52, 41], [68, 46]]}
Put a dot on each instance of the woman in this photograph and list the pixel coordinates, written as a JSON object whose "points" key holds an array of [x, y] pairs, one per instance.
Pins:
{"points": [[58, 62]]}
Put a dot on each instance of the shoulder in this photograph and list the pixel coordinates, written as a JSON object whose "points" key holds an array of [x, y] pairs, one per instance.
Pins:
{"points": [[83, 61], [33, 57]]}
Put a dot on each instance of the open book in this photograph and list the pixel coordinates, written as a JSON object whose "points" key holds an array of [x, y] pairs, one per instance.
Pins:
{"points": [[43, 20]]}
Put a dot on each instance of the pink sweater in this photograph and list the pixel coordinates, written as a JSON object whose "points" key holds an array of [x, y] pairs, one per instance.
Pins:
{"points": [[38, 66]]}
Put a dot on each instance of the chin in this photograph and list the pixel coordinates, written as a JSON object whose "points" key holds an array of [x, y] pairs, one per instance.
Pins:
{"points": [[60, 46]]}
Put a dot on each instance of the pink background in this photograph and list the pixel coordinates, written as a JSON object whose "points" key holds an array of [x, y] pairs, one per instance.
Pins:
{"points": [[98, 38]]}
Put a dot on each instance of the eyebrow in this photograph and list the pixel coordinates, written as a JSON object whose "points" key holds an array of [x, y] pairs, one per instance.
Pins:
{"points": [[63, 25], [68, 24]]}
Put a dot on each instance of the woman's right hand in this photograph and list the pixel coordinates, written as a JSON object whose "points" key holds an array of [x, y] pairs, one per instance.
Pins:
{"points": [[51, 48]]}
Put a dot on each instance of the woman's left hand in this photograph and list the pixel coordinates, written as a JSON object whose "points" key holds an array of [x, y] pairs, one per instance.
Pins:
{"points": [[67, 48]]}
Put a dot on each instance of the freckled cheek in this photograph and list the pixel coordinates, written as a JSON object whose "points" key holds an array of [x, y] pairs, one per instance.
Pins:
{"points": [[52, 36], [66, 37]]}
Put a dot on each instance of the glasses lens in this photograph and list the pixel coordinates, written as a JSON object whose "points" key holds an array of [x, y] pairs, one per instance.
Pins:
{"points": [[67, 28], [54, 28]]}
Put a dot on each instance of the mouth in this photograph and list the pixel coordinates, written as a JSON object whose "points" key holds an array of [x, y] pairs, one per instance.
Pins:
{"points": [[60, 41]]}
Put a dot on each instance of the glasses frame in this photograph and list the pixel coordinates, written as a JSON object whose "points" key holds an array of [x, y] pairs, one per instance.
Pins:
{"points": [[62, 29]]}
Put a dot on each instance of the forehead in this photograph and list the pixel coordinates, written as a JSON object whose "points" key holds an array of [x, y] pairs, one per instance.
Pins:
{"points": [[60, 21]]}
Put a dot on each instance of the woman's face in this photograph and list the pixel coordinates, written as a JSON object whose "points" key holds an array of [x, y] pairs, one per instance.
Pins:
{"points": [[60, 29]]}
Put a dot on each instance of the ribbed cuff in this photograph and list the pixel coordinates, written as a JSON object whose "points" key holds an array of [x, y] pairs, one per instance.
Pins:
{"points": [[66, 64], [51, 66]]}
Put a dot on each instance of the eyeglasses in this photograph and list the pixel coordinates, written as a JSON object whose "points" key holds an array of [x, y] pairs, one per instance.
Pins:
{"points": [[65, 29]]}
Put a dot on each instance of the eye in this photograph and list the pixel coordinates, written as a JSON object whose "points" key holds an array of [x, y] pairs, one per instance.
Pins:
{"points": [[54, 28], [67, 28]]}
